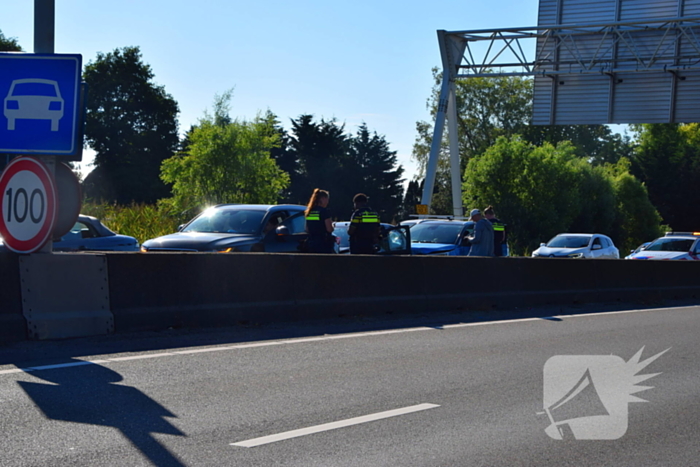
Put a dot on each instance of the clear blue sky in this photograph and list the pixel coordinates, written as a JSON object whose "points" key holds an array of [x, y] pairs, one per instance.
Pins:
{"points": [[356, 61]]}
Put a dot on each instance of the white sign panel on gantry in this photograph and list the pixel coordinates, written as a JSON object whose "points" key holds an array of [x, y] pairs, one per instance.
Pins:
{"points": [[617, 61]]}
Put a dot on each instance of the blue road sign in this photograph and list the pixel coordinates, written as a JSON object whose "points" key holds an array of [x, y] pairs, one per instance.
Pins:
{"points": [[40, 95]]}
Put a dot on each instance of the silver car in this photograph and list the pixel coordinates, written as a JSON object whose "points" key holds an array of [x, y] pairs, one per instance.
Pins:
{"points": [[578, 245]]}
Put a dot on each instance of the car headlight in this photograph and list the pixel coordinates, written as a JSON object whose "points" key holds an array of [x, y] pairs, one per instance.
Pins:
{"points": [[576, 255], [143, 249], [227, 250]]}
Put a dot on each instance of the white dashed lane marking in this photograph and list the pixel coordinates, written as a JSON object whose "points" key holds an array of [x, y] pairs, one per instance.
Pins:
{"points": [[251, 443]]}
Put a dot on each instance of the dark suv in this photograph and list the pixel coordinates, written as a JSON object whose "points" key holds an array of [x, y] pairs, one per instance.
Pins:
{"points": [[237, 227]]}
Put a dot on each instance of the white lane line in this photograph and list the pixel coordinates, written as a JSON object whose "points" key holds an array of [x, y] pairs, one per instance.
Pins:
{"points": [[140, 357], [333, 426], [335, 337]]}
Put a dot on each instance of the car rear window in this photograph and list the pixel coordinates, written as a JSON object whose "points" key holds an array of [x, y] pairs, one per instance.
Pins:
{"points": [[435, 233], [670, 244]]}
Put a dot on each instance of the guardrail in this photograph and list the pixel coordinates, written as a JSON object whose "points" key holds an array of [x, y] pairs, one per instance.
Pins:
{"points": [[162, 290]]}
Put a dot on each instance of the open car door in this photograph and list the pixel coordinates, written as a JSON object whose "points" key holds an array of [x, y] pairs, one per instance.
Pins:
{"points": [[395, 240]]}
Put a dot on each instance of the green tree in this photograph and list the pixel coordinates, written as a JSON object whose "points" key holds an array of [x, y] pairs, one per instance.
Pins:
{"points": [[227, 161], [322, 155], [9, 44], [542, 191], [667, 160], [376, 173], [131, 124], [414, 192], [488, 108], [636, 219], [321, 150], [534, 189]]}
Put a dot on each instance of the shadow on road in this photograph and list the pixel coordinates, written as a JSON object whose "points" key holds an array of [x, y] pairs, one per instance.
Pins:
{"points": [[87, 394], [36, 353]]}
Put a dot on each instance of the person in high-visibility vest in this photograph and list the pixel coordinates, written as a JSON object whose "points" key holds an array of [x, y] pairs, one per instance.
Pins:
{"points": [[318, 223], [364, 227], [499, 231]]}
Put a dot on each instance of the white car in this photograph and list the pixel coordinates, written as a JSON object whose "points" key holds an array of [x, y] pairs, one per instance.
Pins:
{"points": [[33, 99], [578, 245], [683, 246]]}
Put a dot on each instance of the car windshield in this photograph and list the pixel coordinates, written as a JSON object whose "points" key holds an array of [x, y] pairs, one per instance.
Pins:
{"points": [[236, 221], [569, 241], [427, 232], [671, 244]]}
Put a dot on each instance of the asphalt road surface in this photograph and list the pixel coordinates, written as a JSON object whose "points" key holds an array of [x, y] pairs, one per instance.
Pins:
{"points": [[437, 390]]}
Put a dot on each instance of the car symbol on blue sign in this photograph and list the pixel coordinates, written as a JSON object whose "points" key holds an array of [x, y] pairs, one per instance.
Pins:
{"points": [[40, 97]]}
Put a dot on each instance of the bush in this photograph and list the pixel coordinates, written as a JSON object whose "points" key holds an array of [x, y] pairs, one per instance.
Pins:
{"points": [[143, 221]]}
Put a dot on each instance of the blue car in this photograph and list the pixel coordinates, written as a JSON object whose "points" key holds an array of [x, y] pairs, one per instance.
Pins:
{"points": [[441, 237], [89, 234]]}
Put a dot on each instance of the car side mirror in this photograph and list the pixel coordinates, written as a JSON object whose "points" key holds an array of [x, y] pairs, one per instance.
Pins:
{"points": [[542, 244], [282, 230], [597, 247], [180, 227]]}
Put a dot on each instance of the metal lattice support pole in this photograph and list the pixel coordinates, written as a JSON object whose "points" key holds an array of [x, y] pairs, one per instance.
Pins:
{"points": [[455, 168], [434, 156]]}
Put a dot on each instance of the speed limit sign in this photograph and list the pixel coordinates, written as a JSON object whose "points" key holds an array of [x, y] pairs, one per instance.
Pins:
{"points": [[28, 208]]}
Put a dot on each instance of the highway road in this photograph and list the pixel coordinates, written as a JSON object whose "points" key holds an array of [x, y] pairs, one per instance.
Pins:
{"points": [[440, 390]]}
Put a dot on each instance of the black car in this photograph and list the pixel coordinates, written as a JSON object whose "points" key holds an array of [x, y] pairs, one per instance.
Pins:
{"points": [[238, 227]]}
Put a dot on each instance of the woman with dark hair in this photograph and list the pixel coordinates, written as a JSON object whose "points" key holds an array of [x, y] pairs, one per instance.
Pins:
{"points": [[318, 223]]}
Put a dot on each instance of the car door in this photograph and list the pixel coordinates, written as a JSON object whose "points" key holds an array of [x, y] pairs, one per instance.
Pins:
{"points": [[288, 235], [597, 250], [81, 237], [695, 251], [396, 240]]}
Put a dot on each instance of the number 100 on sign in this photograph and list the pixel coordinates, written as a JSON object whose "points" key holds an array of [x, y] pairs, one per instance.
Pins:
{"points": [[28, 205]]}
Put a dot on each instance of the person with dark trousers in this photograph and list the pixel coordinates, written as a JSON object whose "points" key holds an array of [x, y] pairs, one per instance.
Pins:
{"points": [[318, 223], [364, 227], [499, 231]]}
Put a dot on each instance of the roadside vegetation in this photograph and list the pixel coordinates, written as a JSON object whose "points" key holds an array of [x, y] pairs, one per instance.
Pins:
{"points": [[142, 221]]}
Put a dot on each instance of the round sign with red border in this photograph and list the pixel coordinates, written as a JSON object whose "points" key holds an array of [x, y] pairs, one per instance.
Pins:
{"points": [[28, 208]]}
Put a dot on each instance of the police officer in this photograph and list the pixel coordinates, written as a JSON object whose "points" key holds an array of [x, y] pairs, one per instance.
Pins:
{"points": [[499, 231], [318, 224], [364, 227]]}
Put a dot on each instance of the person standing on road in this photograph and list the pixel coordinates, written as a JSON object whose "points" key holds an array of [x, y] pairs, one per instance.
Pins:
{"points": [[482, 240], [318, 223], [364, 227], [499, 231]]}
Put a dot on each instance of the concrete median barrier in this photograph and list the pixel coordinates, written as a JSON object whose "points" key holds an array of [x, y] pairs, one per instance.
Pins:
{"points": [[162, 290], [65, 295], [13, 326], [179, 290]]}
